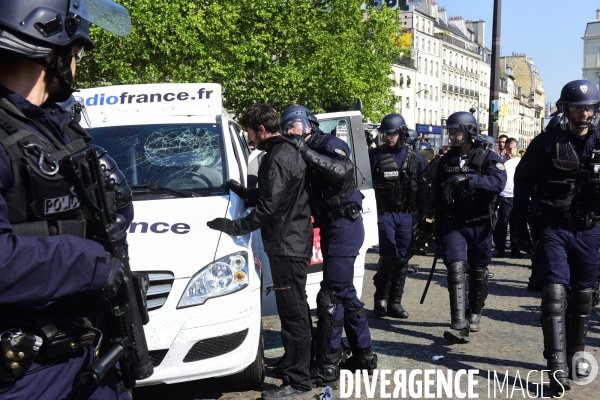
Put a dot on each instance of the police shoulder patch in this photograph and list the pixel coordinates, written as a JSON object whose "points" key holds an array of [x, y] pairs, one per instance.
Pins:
{"points": [[500, 166], [340, 152], [272, 174]]}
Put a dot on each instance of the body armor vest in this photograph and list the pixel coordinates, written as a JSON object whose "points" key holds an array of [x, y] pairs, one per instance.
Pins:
{"points": [[325, 196], [42, 201], [468, 203], [570, 181], [396, 187]]}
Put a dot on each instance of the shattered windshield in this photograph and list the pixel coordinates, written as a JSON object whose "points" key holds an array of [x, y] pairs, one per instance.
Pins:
{"points": [[176, 156]]}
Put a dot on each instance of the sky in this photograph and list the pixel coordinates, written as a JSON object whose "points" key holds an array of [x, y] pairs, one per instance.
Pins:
{"points": [[548, 31]]}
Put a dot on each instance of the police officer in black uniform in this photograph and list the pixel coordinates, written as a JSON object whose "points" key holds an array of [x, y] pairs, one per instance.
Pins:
{"points": [[53, 276], [397, 173], [467, 180], [563, 165], [335, 205]]}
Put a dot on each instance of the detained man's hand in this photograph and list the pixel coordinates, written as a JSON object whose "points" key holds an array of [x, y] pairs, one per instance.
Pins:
{"points": [[221, 224]]}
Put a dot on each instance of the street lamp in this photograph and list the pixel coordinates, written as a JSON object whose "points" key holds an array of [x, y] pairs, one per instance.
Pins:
{"points": [[475, 111]]}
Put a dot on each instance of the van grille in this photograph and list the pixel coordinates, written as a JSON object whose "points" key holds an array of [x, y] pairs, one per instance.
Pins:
{"points": [[161, 283], [216, 346]]}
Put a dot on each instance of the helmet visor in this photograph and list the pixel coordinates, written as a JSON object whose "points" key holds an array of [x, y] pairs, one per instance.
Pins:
{"points": [[109, 16], [457, 136], [298, 126]]}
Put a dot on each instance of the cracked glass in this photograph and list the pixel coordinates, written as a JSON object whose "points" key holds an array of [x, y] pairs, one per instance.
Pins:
{"points": [[180, 157]]}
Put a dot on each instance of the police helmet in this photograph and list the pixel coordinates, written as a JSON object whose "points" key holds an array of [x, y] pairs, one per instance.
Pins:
{"points": [[298, 114], [390, 124], [424, 146], [461, 127], [31, 29], [412, 138], [576, 95]]}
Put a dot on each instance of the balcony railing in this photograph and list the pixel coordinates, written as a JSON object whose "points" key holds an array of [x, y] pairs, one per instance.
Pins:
{"points": [[444, 86], [451, 88], [462, 91], [456, 89]]}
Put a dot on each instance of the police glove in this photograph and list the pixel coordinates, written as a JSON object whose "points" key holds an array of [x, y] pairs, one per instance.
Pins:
{"points": [[300, 144], [221, 224], [454, 182], [520, 236], [116, 276], [237, 188]]}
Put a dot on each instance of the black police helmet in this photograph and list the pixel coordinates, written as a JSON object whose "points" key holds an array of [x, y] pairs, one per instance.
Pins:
{"points": [[424, 146], [393, 123], [32, 27], [463, 122], [294, 114], [411, 137], [578, 93]]}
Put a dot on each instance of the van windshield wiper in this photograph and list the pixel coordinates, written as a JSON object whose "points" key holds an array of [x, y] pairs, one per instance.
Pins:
{"points": [[160, 188]]}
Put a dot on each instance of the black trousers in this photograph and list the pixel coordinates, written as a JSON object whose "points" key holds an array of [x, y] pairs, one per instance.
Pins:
{"points": [[289, 283], [504, 218]]}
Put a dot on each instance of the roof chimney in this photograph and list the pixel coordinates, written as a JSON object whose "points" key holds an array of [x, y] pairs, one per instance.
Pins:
{"points": [[598, 13]]}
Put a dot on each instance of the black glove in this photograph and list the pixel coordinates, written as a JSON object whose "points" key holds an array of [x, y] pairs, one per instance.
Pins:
{"points": [[221, 224], [237, 188], [116, 276], [300, 144], [519, 236], [454, 182]]}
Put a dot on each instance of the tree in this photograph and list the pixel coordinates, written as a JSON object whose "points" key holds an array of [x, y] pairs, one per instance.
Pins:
{"points": [[310, 52]]}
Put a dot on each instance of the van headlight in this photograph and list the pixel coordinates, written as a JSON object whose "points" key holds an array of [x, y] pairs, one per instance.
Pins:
{"points": [[224, 276]]}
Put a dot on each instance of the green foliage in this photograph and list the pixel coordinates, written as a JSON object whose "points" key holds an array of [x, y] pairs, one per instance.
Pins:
{"points": [[310, 52]]}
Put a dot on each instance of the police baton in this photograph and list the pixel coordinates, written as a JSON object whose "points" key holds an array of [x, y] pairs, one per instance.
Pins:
{"points": [[435, 258]]}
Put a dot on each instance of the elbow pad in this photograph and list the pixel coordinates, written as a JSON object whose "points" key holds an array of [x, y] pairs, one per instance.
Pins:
{"points": [[114, 179], [336, 171]]}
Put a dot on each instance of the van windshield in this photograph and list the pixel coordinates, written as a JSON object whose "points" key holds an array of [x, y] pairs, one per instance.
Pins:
{"points": [[176, 156]]}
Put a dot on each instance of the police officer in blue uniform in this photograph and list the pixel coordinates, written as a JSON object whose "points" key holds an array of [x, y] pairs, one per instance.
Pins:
{"points": [[54, 279], [560, 170], [468, 178], [397, 173], [336, 206]]}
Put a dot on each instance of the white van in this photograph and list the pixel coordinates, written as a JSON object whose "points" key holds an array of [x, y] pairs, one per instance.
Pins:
{"points": [[177, 146]]}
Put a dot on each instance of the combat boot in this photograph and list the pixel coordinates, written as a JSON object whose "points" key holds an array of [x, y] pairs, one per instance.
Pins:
{"points": [[367, 361], [478, 281], [459, 327], [325, 375], [382, 284], [554, 299], [394, 306], [577, 320]]}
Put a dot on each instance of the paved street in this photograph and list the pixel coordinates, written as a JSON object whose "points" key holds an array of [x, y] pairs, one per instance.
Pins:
{"points": [[510, 342]]}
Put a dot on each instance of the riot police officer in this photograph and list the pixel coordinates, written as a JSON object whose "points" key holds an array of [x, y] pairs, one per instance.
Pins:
{"points": [[397, 171], [336, 206], [562, 164], [53, 274], [467, 180]]}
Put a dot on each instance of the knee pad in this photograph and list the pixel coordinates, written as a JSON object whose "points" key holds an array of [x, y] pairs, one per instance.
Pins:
{"points": [[580, 301], [554, 299], [326, 303], [456, 272]]}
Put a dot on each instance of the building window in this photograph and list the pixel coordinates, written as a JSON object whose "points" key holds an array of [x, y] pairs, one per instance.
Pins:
{"points": [[408, 102]]}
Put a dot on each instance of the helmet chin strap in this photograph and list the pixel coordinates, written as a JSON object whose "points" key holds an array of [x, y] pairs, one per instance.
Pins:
{"points": [[61, 69]]}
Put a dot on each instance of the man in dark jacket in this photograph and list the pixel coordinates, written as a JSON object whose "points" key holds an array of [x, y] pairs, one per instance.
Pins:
{"points": [[282, 212]]}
